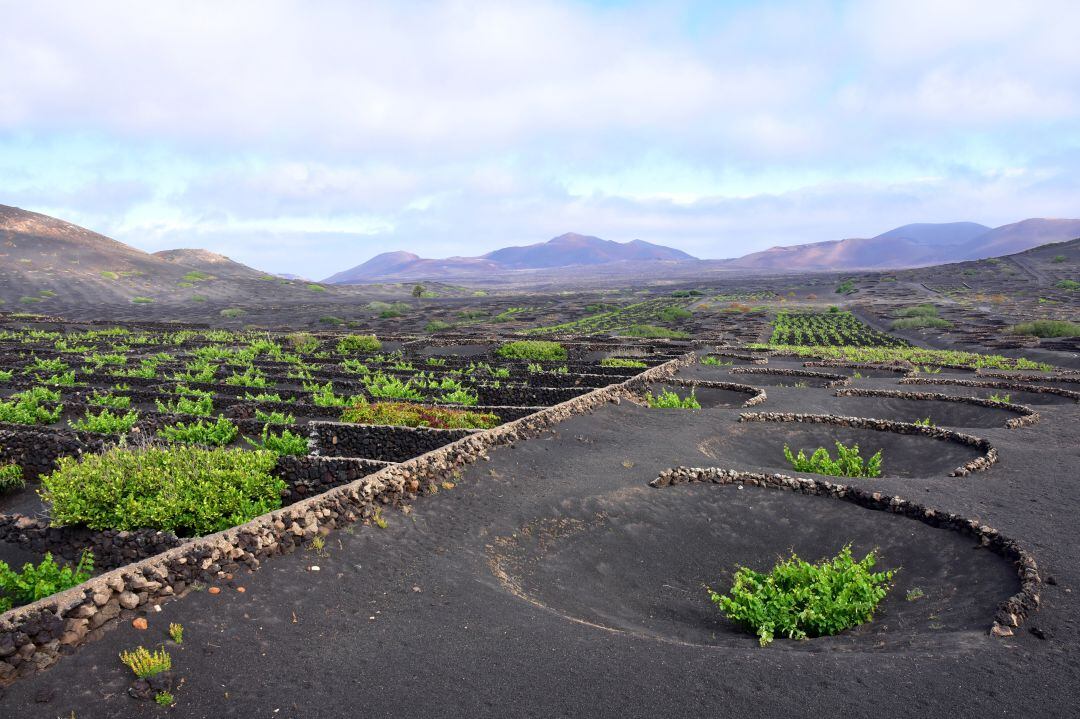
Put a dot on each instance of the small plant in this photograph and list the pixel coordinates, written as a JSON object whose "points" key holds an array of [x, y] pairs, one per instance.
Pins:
{"points": [[460, 396], [142, 300], [621, 362], [390, 387], [176, 632], [914, 594], [45, 579], [848, 462], [1071, 285], [145, 663], [105, 422], [26, 407], [286, 443], [165, 699], [203, 405], [1002, 398], [112, 401], [654, 332], [713, 361], [11, 477], [437, 326], [216, 434], [274, 417], [846, 287], [1058, 259], [925, 422], [532, 350], [1048, 328], [406, 414], [378, 519], [231, 313], [800, 600], [669, 399], [358, 343]]}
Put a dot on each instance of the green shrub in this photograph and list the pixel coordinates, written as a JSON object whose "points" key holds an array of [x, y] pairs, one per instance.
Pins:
{"points": [[1068, 285], [799, 600], [105, 422], [26, 407], [216, 434], [11, 477], [232, 313], [286, 443], [532, 350], [390, 387], [848, 462], [144, 663], [924, 310], [6, 375], [142, 300], [109, 275], [925, 422], [185, 490], [316, 288], [274, 417], [1058, 259], [1002, 398], [460, 395], [436, 326], [358, 343], [331, 320], [202, 406], [846, 287], [1048, 328], [713, 361], [112, 401], [654, 332], [406, 414], [622, 362], [47, 578], [197, 276], [673, 314], [669, 399]]}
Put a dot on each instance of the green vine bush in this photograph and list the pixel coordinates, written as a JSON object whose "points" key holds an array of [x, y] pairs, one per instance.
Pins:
{"points": [[669, 399], [800, 600], [45, 579], [848, 462]]}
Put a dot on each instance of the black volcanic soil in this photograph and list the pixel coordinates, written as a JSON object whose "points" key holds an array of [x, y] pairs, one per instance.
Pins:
{"points": [[412, 621]]}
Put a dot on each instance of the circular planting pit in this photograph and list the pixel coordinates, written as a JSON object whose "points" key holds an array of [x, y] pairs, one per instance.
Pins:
{"points": [[1018, 393], [851, 370], [638, 561], [940, 412], [785, 377], [707, 397], [761, 445]]}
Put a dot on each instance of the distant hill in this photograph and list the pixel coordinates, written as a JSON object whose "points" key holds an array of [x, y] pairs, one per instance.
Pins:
{"points": [[568, 250], [912, 246], [210, 263]]}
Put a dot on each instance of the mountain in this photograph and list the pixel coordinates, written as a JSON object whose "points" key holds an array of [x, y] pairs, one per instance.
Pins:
{"points": [[568, 250], [914, 245]]}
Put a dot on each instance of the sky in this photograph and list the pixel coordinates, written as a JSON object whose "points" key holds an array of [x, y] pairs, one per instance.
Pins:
{"points": [[307, 137]]}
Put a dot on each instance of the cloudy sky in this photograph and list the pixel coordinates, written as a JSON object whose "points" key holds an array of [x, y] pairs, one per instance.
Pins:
{"points": [[308, 136]]}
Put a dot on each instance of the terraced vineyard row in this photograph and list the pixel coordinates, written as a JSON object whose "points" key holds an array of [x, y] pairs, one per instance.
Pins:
{"points": [[640, 319], [828, 329]]}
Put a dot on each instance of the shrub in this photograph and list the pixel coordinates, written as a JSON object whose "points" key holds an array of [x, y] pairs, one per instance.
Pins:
{"points": [[202, 406], [185, 490], [11, 477], [1058, 259], [406, 414], [302, 342], [105, 422], [923, 310], [331, 320], [1048, 328], [436, 326], [286, 443], [6, 375], [654, 332], [323, 395], [799, 600], [26, 407], [1068, 285], [848, 462], [316, 288], [217, 434], [673, 314], [358, 343], [176, 632], [390, 387], [274, 417], [925, 422], [164, 699], [845, 288], [232, 313], [47, 578], [1002, 398], [713, 361], [671, 400], [622, 362], [142, 300], [460, 395], [145, 663], [197, 276], [532, 350], [109, 275]]}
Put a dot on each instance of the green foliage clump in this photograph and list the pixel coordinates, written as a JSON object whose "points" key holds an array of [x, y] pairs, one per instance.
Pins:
{"points": [[1048, 328], [274, 417], [848, 462], [532, 350], [669, 399], [800, 600], [202, 405], [112, 401], [105, 422], [846, 287], [27, 407], [181, 489], [358, 343], [45, 579], [216, 434], [924, 422], [436, 326], [714, 361], [1002, 398], [918, 323], [11, 477], [390, 387], [142, 300], [1058, 259], [923, 310], [230, 313], [406, 414], [144, 663], [286, 443], [1071, 285], [622, 362]]}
